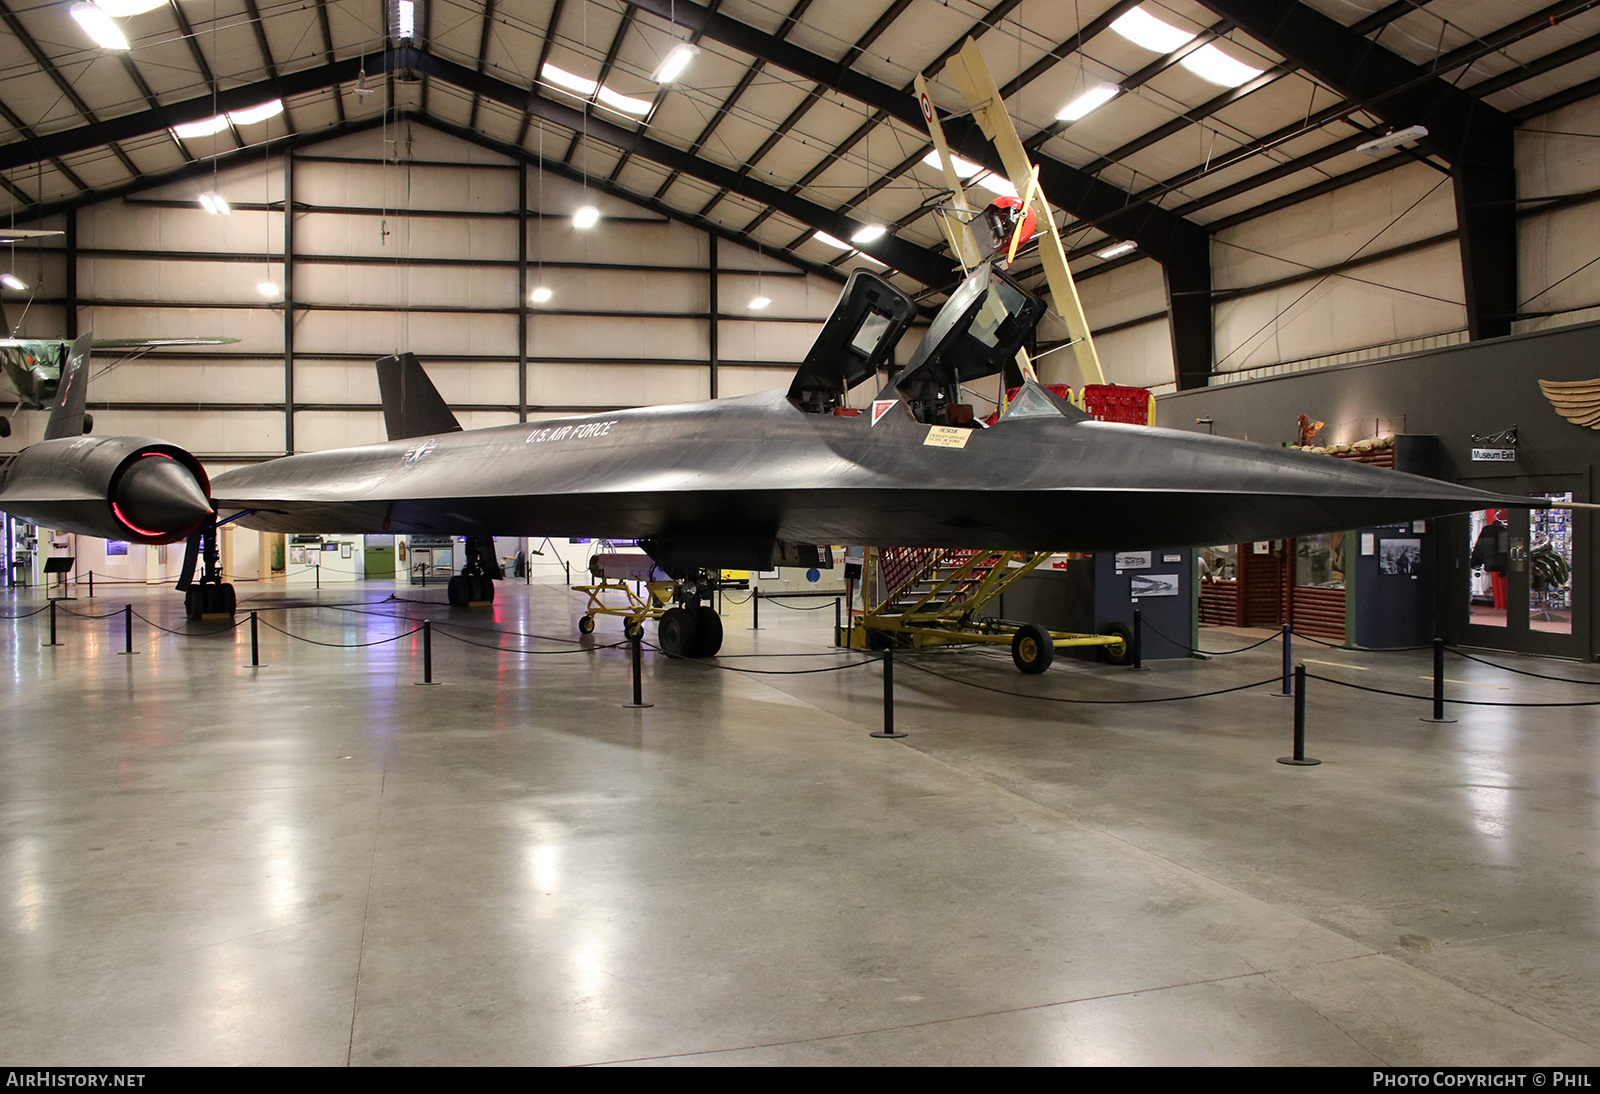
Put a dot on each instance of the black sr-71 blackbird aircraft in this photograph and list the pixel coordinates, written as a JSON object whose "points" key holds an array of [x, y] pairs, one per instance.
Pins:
{"points": [[744, 482]]}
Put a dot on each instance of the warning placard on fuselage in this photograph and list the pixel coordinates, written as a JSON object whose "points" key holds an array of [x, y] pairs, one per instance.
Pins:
{"points": [[947, 436]]}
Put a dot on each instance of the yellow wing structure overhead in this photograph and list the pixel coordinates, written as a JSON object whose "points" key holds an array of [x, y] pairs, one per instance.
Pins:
{"points": [[1578, 401], [956, 228], [971, 77]]}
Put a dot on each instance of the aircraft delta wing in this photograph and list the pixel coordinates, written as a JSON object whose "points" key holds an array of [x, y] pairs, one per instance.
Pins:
{"points": [[749, 482]]}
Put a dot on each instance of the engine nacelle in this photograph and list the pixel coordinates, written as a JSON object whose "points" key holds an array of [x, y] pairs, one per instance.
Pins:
{"points": [[131, 488]]}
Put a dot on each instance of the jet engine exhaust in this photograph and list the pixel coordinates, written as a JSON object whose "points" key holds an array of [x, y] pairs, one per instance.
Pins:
{"points": [[129, 488], [158, 497]]}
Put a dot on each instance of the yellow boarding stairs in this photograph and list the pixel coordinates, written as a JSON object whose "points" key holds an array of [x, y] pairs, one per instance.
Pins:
{"points": [[934, 597]]}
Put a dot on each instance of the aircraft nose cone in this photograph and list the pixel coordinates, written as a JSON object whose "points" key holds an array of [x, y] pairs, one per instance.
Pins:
{"points": [[159, 496]]}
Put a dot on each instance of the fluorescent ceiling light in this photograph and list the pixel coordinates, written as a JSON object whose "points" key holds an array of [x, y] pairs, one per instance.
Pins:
{"points": [[676, 60], [869, 233], [540, 295], [625, 103], [587, 88], [12, 281], [1393, 139], [252, 114], [562, 78], [965, 169], [1118, 250], [586, 217], [97, 24], [1216, 67], [124, 8], [1144, 29], [214, 203], [205, 127], [830, 241], [1095, 97], [405, 19], [758, 303], [267, 288]]}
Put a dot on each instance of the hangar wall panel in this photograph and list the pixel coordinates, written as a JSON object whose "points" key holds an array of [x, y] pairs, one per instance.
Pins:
{"points": [[1406, 296], [1557, 243], [419, 257], [577, 383], [734, 380]]}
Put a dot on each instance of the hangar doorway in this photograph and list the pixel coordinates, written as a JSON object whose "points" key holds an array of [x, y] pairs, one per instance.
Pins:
{"points": [[1515, 577]]}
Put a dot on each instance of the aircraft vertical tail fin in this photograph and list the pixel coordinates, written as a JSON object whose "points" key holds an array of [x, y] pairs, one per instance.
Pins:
{"points": [[412, 406], [67, 418]]}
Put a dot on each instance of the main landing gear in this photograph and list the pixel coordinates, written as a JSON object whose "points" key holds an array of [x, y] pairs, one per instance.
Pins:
{"points": [[209, 595], [690, 628], [475, 583]]}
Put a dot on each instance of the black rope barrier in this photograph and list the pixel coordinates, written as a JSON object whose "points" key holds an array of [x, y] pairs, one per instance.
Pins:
{"points": [[1459, 702], [792, 608], [92, 615], [1365, 649], [27, 615], [340, 645], [1096, 702], [1524, 672], [190, 634], [767, 672], [1210, 653], [529, 653]]}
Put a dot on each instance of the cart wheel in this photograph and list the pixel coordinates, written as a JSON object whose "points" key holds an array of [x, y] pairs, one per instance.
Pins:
{"points": [[879, 640], [1032, 648], [586, 625], [1124, 632]]}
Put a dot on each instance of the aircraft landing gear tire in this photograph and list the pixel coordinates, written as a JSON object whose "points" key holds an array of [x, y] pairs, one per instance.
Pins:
{"points": [[456, 592], [708, 632], [1124, 632], [203, 600], [1032, 649], [586, 625], [677, 633]]}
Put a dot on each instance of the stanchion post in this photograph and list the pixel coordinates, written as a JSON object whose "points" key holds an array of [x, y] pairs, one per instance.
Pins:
{"points": [[755, 610], [836, 619], [1138, 640], [888, 697], [52, 641], [127, 630], [567, 566], [255, 644], [1299, 759], [1288, 658], [91, 584], [1438, 684], [427, 653], [635, 642]]}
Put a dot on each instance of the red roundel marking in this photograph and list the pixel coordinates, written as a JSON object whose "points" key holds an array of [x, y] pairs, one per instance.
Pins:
{"points": [[927, 107]]}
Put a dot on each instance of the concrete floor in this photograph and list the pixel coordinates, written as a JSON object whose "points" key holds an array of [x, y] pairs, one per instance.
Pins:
{"points": [[317, 862]]}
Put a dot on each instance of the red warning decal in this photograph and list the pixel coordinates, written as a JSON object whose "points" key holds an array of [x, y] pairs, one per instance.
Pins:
{"points": [[880, 407]]}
